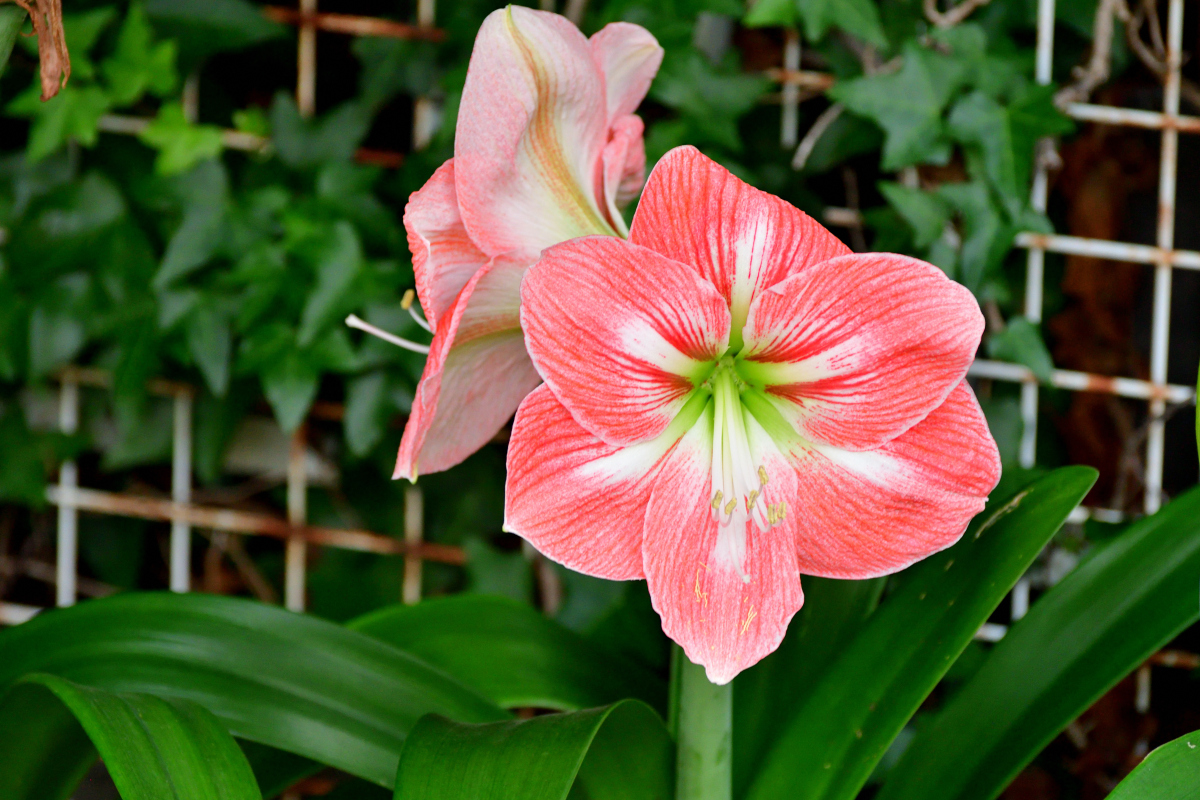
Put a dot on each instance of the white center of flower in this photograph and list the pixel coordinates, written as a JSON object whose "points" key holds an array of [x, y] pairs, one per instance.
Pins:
{"points": [[740, 490]]}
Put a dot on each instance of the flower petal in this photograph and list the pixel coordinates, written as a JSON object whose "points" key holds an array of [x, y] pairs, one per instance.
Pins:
{"points": [[741, 239], [532, 125], [858, 349], [576, 499], [872, 513], [621, 334], [721, 621], [629, 56], [476, 374], [624, 167], [444, 257]]}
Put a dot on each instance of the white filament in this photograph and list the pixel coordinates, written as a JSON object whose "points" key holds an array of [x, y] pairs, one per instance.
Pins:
{"points": [[354, 321]]}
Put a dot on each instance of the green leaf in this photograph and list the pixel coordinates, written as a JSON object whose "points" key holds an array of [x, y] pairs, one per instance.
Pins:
{"points": [[368, 407], [772, 14], [857, 17], [619, 752], [1021, 343], [710, 97], [925, 212], [12, 19], [766, 696], [338, 262], [986, 239], [293, 682], [1121, 604], [214, 26], [138, 65], [181, 144], [205, 194], [71, 115], [210, 341], [154, 749], [512, 654], [1167, 773], [880, 679], [908, 105], [55, 337], [303, 143], [290, 385]]}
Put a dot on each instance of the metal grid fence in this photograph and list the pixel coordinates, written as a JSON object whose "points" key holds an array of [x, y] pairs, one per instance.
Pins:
{"points": [[797, 85]]}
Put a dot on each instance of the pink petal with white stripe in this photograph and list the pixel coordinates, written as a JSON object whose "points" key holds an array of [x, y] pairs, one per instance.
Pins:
{"points": [[576, 499], [532, 125], [858, 349], [873, 513], [476, 374], [444, 257], [621, 334], [741, 239], [722, 620], [629, 56]]}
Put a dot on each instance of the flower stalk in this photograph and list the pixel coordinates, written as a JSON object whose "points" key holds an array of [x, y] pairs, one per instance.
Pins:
{"points": [[701, 717]]}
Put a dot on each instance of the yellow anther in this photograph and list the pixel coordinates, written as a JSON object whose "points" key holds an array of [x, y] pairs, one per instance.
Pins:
{"points": [[762, 475], [730, 506], [751, 500], [716, 501], [783, 510], [407, 300]]}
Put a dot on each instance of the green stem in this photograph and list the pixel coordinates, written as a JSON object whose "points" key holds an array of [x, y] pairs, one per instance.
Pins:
{"points": [[701, 718]]}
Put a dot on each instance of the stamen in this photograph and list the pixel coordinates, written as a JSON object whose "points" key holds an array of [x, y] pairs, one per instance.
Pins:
{"points": [[730, 506], [355, 322], [406, 303], [716, 501], [751, 500], [762, 475]]}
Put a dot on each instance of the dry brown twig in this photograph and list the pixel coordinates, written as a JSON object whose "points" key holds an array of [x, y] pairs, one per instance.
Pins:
{"points": [[1096, 71], [948, 19], [46, 16]]}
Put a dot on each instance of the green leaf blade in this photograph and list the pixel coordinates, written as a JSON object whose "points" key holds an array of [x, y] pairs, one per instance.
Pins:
{"points": [[1169, 772], [831, 746], [1081, 638]]}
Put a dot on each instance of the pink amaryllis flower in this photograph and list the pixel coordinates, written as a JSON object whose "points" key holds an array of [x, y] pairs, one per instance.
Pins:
{"points": [[547, 148], [732, 398]]}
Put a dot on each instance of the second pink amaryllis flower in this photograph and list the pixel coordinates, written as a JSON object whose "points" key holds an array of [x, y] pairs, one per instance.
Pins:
{"points": [[731, 399], [547, 148]]}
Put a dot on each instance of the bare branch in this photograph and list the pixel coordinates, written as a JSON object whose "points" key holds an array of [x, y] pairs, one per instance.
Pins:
{"points": [[1096, 72], [827, 118]]}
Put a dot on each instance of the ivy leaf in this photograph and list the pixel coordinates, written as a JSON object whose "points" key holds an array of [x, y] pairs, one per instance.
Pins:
{"points": [[73, 114], [180, 144], [303, 143], [368, 407], [1021, 343], [12, 18], [290, 385], [772, 14], [138, 65], [210, 341], [55, 337], [205, 194], [925, 212], [338, 263], [858, 17], [710, 98], [986, 238], [908, 105]]}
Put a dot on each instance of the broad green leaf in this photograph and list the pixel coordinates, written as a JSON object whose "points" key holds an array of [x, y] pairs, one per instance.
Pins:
{"points": [[986, 239], [512, 654], [853, 713], [138, 65], [1169, 772], [55, 337], [908, 105], [857, 17], [925, 212], [293, 682], [1021, 343], [1125, 601], [154, 749], [712, 98], [766, 696], [204, 192], [12, 19], [303, 143], [181, 144], [618, 752]]}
